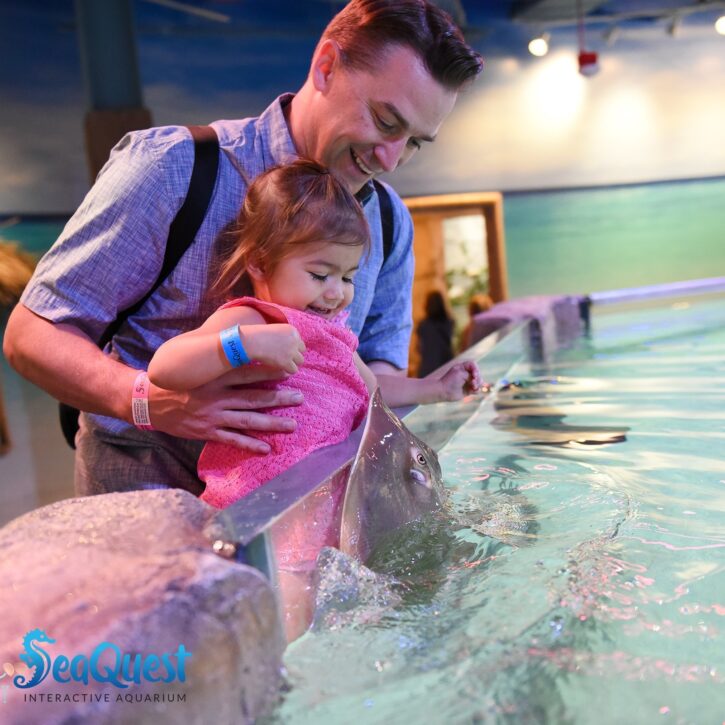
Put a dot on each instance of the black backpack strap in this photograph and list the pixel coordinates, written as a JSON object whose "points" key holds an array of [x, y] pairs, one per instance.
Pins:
{"points": [[188, 219], [182, 231], [386, 218]]}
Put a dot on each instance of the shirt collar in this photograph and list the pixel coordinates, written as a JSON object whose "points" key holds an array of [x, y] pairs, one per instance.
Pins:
{"points": [[365, 193], [277, 145]]}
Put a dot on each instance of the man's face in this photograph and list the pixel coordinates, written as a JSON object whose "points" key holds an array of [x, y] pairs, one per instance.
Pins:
{"points": [[367, 123]]}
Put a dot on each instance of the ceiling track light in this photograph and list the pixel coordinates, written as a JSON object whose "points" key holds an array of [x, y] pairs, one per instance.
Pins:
{"points": [[539, 46]]}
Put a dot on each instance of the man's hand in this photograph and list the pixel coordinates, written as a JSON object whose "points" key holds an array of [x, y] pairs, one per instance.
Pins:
{"points": [[79, 374], [277, 345], [460, 379], [224, 412]]}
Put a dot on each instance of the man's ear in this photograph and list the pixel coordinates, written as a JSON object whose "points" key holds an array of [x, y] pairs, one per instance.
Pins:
{"points": [[325, 62]]}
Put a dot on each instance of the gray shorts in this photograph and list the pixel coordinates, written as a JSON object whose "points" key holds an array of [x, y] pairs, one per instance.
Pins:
{"points": [[106, 463]]}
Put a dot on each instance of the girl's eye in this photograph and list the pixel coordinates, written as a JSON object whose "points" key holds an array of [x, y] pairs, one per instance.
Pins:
{"points": [[348, 280], [318, 277], [414, 143]]}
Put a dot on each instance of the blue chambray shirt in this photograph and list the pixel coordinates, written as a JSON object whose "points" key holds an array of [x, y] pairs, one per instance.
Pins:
{"points": [[110, 252]]}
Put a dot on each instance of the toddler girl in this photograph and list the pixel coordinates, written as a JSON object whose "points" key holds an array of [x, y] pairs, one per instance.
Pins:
{"points": [[299, 241]]}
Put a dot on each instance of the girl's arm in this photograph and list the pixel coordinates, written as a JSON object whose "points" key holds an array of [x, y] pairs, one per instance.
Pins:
{"points": [[459, 380], [197, 357]]}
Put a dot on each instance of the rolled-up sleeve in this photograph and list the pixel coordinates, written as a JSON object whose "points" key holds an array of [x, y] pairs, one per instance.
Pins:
{"points": [[389, 323], [111, 251]]}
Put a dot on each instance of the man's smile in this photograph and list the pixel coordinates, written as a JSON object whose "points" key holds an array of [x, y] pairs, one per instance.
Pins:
{"points": [[359, 163]]}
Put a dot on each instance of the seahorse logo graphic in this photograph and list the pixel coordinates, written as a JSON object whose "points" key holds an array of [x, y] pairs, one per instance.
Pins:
{"points": [[35, 658]]}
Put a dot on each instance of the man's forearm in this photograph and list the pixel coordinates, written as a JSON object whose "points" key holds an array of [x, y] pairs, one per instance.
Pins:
{"points": [[64, 362], [385, 368]]}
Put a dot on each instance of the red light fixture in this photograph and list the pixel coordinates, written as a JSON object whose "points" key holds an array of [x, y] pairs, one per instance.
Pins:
{"points": [[588, 60], [588, 63]]}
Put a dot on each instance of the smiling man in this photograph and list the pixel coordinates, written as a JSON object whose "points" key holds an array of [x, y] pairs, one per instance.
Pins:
{"points": [[383, 78]]}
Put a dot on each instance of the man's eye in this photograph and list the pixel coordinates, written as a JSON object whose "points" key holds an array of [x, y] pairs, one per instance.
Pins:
{"points": [[384, 125], [318, 277]]}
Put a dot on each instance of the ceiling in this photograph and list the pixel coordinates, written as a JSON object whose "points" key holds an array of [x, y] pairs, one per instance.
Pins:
{"points": [[303, 17], [565, 12], [492, 23]]}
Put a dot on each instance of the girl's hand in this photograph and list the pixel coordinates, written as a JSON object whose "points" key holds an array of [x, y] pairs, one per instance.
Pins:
{"points": [[277, 345], [460, 380]]}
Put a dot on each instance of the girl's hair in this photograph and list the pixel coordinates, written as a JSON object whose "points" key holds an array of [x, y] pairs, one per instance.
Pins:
{"points": [[285, 207]]}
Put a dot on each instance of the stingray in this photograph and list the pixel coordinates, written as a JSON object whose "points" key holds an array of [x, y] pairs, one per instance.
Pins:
{"points": [[398, 527], [395, 479], [525, 407], [552, 430]]}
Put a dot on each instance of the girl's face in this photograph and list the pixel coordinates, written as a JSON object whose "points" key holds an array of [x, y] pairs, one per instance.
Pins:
{"points": [[317, 279]]}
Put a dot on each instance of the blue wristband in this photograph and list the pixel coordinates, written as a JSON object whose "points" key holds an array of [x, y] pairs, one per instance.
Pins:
{"points": [[233, 348]]}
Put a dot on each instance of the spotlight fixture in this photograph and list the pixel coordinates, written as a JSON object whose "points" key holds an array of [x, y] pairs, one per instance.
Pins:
{"points": [[720, 25], [539, 46]]}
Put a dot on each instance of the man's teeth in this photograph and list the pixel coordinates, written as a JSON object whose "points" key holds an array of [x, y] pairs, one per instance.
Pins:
{"points": [[361, 165]]}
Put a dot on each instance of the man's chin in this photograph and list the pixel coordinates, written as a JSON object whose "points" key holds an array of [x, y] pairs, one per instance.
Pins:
{"points": [[354, 186], [353, 182]]}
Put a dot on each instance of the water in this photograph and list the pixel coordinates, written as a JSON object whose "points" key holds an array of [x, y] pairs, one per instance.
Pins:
{"points": [[35, 235], [576, 242], [612, 611]]}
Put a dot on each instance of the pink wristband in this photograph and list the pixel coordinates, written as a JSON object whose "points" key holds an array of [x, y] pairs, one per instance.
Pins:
{"points": [[140, 402]]}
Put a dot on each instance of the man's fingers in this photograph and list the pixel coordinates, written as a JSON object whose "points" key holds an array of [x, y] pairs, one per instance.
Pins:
{"points": [[242, 398], [248, 420], [239, 440], [252, 374]]}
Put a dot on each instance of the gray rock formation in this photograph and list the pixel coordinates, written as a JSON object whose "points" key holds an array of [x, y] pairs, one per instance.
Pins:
{"points": [[136, 570]]}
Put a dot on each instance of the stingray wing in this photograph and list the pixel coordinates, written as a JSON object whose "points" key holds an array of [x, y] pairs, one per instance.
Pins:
{"points": [[395, 478]]}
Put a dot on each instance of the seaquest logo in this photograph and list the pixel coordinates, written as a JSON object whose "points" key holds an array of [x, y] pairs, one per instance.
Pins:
{"points": [[105, 664]]}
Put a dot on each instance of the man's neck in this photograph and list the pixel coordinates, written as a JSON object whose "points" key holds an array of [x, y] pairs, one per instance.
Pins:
{"points": [[293, 112]]}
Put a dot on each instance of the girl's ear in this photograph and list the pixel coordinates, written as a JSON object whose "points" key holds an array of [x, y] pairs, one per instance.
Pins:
{"points": [[255, 272]]}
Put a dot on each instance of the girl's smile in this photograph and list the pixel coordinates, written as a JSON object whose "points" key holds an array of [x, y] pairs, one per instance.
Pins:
{"points": [[318, 279]]}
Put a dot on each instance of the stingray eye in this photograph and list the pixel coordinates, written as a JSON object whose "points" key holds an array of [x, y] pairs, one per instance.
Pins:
{"points": [[421, 459]]}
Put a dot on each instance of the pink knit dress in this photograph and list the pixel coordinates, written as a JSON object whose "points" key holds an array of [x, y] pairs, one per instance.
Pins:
{"points": [[335, 402]]}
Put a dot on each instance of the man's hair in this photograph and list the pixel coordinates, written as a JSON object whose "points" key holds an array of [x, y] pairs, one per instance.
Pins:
{"points": [[286, 207], [365, 28]]}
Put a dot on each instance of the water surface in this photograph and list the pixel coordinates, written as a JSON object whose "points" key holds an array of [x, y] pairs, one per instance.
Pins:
{"points": [[613, 610]]}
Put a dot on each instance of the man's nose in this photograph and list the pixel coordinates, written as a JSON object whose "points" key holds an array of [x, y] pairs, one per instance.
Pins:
{"points": [[389, 153]]}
